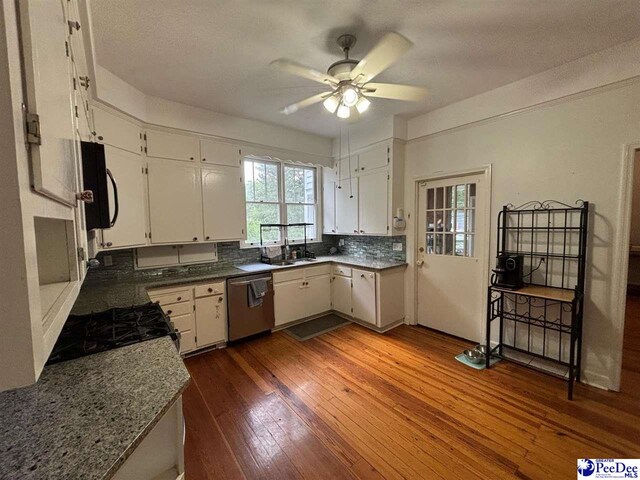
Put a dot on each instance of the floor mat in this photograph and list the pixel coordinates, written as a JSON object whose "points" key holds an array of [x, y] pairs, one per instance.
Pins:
{"points": [[318, 326]]}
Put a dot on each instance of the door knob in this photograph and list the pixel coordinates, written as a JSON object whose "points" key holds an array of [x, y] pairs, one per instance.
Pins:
{"points": [[420, 263]]}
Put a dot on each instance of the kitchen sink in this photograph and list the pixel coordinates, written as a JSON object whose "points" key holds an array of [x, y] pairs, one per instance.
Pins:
{"points": [[282, 263]]}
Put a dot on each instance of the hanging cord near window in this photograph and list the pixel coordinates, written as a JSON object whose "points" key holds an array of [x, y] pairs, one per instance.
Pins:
{"points": [[533, 270], [340, 157], [349, 154]]}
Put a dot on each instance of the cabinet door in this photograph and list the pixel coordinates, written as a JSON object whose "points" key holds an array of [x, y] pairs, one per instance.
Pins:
{"points": [[318, 295], [47, 69], [211, 320], [173, 146], [341, 289], [175, 202], [223, 203], [329, 208], [373, 203], [289, 301], [347, 207], [375, 157], [364, 296], [131, 225], [116, 131], [219, 153], [200, 253], [346, 168], [157, 256]]}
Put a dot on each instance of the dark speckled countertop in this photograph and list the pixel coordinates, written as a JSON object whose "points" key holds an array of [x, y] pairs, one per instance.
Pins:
{"points": [[84, 417]]}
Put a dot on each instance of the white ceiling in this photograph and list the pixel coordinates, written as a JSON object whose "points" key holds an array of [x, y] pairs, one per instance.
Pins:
{"points": [[215, 53]]}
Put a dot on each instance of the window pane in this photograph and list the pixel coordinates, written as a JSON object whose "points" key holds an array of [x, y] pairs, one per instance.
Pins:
{"points": [[430, 203], [448, 220], [459, 244], [470, 243], [439, 197], [439, 241], [472, 195], [299, 185], [448, 244], [439, 221], [459, 220], [461, 198], [449, 197], [301, 214], [261, 181], [430, 242], [430, 222], [471, 220], [258, 213]]}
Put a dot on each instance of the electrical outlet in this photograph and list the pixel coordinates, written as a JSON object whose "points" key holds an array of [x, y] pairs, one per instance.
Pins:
{"points": [[341, 242], [107, 260], [397, 246]]}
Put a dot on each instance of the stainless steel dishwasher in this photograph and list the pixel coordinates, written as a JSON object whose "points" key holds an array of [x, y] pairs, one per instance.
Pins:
{"points": [[244, 320]]}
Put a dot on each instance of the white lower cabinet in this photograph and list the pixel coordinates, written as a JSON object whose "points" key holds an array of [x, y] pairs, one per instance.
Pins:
{"points": [[198, 312], [341, 290], [288, 300], [364, 295], [175, 202], [301, 292]]}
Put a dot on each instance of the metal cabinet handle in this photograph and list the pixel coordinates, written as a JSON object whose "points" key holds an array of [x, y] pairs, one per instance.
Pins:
{"points": [[179, 298], [361, 231], [204, 159], [195, 239], [333, 231], [190, 158], [220, 299], [362, 275], [362, 168], [115, 198], [169, 312], [100, 137], [207, 237], [108, 244], [210, 290], [355, 231]]}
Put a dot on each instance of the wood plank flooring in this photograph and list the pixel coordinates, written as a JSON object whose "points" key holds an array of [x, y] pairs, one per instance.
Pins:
{"points": [[356, 404]]}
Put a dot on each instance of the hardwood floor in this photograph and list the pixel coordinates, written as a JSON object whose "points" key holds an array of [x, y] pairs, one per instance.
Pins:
{"points": [[356, 404]]}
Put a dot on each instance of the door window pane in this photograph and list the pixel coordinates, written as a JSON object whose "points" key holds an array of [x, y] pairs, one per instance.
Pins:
{"points": [[439, 241], [459, 245], [448, 220], [461, 193], [469, 247], [431, 223], [471, 188], [439, 197], [439, 221], [471, 220], [430, 200], [449, 197], [448, 244], [430, 242], [459, 220]]}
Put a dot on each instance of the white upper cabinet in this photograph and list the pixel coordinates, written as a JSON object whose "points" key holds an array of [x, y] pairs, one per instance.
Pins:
{"points": [[374, 157], [219, 153], [223, 203], [329, 208], [114, 130], [174, 146], [364, 296], [130, 227], [347, 168], [347, 207], [175, 202], [49, 95], [373, 203]]}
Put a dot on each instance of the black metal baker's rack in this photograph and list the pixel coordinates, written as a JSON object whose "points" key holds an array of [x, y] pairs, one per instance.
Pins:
{"points": [[543, 319], [284, 228]]}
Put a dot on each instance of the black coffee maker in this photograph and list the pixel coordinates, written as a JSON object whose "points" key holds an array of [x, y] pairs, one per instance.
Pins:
{"points": [[508, 271]]}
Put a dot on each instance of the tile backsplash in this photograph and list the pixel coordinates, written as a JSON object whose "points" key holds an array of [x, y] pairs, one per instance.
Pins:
{"points": [[230, 254]]}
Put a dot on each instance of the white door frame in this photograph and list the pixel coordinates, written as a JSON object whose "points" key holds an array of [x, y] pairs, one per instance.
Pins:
{"points": [[621, 253], [482, 170]]}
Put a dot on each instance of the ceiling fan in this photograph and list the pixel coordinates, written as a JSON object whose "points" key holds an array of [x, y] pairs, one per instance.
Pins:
{"points": [[350, 80]]}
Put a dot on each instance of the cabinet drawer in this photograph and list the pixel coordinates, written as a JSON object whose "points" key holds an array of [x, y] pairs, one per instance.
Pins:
{"points": [[209, 289], [184, 323], [187, 341], [318, 270], [176, 309], [342, 270], [288, 275], [171, 297]]}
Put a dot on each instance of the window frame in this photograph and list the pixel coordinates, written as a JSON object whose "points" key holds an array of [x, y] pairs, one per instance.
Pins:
{"points": [[282, 200]]}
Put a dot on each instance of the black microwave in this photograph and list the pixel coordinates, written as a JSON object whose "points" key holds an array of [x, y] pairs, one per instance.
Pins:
{"points": [[94, 175]]}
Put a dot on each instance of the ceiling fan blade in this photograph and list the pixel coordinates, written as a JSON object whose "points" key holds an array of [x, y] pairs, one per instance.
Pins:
{"points": [[294, 68], [386, 52], [408, 93], [294, 107]]}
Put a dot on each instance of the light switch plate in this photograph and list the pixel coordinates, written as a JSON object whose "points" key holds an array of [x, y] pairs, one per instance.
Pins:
{"points": [[397, 246], [107, 260]]}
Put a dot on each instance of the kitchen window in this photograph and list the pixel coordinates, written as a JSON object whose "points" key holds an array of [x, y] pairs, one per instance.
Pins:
{"points": [[278, 192]]}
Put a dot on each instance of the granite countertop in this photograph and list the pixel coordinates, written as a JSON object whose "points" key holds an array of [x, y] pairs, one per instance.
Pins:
{"points": [[101, 294], [84, 417]]}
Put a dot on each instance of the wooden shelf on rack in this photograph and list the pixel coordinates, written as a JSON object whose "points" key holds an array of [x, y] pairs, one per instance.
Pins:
{"points": [[539, 291]]}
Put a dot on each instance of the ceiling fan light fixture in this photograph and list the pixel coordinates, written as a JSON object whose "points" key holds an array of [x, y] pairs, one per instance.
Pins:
{"points": [[344, 111], [350, 96], [363, 104], [331, 103]]}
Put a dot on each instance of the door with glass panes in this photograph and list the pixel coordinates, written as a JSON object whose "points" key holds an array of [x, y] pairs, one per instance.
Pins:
{"points": [[450, 255]]}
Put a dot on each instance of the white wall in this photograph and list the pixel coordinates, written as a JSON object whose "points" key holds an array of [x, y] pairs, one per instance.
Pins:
{"points": [[118, 94], [564, 151]]}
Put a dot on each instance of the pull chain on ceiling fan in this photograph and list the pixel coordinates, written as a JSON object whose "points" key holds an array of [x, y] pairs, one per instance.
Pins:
{"points": [[350, 80]]}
